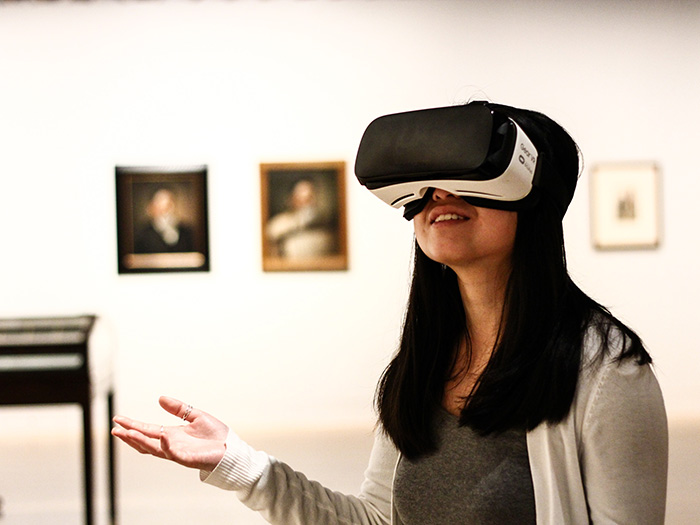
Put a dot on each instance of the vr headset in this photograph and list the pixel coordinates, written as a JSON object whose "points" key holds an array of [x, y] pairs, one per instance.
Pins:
{"points": [[472, 151]]}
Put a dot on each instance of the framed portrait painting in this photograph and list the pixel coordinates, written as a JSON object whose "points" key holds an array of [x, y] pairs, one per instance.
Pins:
{"points": [[625, 206], [303, 216], [162, 223]]}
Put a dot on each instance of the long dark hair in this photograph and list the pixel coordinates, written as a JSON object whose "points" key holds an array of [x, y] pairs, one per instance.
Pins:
{"points": [[533, 372]]}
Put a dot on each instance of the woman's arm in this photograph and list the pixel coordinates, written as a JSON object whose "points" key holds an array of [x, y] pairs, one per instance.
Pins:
{"points": [[284, 496], [624, 447], [280, 494]]}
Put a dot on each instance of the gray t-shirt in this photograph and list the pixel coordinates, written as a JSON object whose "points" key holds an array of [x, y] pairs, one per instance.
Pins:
{"points": [[470, 479]]}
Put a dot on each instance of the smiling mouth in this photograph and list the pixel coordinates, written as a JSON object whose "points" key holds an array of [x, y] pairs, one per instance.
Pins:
{"points": [[450, 217]]}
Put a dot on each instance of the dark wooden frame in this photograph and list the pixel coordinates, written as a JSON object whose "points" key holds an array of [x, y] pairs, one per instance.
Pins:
{"points": [[188, 186]]}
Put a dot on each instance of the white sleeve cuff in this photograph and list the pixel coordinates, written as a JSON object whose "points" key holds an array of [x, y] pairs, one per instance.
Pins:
{"points": [[239, 469]]}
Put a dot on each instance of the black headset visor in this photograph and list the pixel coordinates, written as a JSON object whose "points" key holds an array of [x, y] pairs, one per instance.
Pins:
{"points": [[471, 151]]}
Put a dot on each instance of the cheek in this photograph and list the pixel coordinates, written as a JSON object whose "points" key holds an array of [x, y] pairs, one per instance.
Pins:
{"points": [[496, 232], [505, 230], [420, 231]]}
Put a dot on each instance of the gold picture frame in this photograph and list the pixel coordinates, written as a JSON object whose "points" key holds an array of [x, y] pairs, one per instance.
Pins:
{"points": [[303, 211], [625, 206]]}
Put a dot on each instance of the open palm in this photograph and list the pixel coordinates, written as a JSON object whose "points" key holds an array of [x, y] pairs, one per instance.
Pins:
{"points": [[199, 443]]}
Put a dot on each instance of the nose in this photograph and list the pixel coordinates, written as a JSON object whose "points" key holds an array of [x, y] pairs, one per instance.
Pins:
{"points": [[439, 195]]}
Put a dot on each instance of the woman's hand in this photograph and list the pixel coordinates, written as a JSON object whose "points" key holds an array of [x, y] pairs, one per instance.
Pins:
{"points": [[199, 443]]}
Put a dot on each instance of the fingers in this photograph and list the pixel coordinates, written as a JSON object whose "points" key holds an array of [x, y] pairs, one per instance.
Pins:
{"points": [[154, 439], [132, 428], [139, 441], [149, 430]]}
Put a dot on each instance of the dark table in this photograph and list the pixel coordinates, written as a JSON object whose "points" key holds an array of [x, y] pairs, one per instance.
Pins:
{"points": [[46, 361]]}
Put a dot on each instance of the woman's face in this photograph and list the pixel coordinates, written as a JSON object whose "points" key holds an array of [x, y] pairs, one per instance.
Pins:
{"points": [[453, 232]]}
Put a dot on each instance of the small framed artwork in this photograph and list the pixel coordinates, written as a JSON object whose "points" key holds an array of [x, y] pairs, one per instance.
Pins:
{"points": [[303, 216], [625, 206], [162, 223]]}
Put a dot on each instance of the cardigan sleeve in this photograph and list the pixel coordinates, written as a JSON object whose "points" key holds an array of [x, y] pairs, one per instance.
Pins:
{"points": [[287, 497], [624, 447]]}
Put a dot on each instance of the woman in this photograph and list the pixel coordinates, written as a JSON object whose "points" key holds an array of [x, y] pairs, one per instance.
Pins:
{"points": [[513, 398]]}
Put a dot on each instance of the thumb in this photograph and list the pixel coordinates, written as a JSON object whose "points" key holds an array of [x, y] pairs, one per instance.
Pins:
{"points": [[179, 409], [171, 405]]}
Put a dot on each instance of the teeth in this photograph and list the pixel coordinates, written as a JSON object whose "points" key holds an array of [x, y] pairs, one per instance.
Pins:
{"points": [[449, 217]]}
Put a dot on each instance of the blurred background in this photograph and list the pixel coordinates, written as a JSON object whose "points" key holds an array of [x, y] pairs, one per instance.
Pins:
{"points": [[89, 85]]}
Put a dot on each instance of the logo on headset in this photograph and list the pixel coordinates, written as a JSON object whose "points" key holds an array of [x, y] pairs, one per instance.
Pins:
{"points": [[527, 158]]}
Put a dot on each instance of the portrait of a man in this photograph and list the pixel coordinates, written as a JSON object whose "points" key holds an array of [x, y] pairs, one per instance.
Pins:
{"points": [[164, 231], [162, 219], [303, 216]]}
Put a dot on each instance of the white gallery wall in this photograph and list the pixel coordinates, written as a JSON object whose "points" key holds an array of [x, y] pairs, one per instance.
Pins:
{"points": [[85, 86]]}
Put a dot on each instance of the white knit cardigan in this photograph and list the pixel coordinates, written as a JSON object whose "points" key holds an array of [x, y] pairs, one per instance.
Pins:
{"points": [[605, 463]]}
